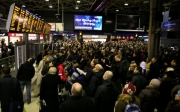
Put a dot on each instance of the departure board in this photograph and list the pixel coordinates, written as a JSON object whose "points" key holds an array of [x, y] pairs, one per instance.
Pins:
{"points": [[23, 21]]}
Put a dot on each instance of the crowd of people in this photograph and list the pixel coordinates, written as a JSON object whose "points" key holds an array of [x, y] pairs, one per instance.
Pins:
{"points": [[103, 77]]}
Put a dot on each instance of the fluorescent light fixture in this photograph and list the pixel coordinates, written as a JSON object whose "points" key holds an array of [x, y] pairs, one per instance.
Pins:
{"points": [[46, 0], [78, 1], [23, 5], [50, 6], [77, 7], [126, 4], [117, 10]]}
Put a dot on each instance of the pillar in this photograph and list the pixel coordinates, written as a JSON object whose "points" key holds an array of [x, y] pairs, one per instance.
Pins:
{"points": [[152, 26], [38, 38], [158, 25], [25, 39]]}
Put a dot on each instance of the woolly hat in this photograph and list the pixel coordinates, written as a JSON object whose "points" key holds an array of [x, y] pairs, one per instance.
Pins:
{"points": [[155, 83], [175, 90], [129, 89]]}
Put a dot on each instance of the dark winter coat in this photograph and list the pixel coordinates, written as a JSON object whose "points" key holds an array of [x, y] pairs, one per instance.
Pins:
{"points": [[148, 98], [26, 72]]}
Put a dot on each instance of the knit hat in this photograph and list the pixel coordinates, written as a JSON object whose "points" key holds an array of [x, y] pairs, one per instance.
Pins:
{"points": [[155, 83], [175, 90], [129, 89]]}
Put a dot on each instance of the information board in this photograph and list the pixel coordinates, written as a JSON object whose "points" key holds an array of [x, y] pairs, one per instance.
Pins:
{"points": [[21, 20]]}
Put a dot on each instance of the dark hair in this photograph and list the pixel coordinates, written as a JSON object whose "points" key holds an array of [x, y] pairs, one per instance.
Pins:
{"points": [[139, 69], [32, 60], [6, 70]]}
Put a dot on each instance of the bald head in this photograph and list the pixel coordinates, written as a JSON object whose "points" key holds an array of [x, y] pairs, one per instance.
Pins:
{"points": [[107, 75], [76, 89], [98, 67]]}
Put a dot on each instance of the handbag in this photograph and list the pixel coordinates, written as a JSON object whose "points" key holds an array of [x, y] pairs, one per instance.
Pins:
{"points": [[15, 105]]}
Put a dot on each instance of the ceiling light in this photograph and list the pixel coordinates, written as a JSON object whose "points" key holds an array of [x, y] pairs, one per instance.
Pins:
{"points": [[39, 16], [78, 1], [42, 19], [117, 10], [23, 5], [126, 4], [46, 0], [50, 6], [77, 7], [36, 14]]}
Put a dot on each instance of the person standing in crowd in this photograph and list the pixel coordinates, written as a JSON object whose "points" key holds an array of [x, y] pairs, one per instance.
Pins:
{"points": [[24, 75], [11, 47], [149, 96], [106, 94], [126, 97], [118, 71], [9, 84], [138, 80], [77, 102], [95, 81], [40, 57], [49, 90]]}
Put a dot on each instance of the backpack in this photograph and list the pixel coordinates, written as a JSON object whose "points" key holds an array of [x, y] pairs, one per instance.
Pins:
{"points": [[132, 107]]}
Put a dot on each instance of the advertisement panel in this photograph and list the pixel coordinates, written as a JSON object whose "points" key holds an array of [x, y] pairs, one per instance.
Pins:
{"points": [[87, 22]]}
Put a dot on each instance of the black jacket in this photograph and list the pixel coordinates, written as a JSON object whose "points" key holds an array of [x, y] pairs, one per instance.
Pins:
{"points": [[173, 106], [49, 92], [149, 99], [77, 104], [26, 72], [105, 97], [5, 91], [118, 70], [140, 82], [95, 81]]}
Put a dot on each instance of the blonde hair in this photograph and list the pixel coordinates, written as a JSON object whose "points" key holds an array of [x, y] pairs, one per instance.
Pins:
{"points": [[52, 70], [133, 64]]}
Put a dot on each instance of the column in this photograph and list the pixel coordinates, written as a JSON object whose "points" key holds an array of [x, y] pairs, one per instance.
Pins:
{"points": [[158, 25], [38, 38], [25, 39], [151, 34]]}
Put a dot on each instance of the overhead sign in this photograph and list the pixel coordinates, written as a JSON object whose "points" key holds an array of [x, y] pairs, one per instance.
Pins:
{"points": [[21, 20]]}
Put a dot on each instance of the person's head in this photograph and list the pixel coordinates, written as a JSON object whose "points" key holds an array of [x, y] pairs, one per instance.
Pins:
{"points": [[31, 60], [75, 63], [76, 89], [49, 58], [97, 68], [52, 63], [84, 57], [107, 75], [94, 62], [129, 88], [52, 70], [137, 70], [117, 58], [173, 63], [6, 70], [50, 52], [45, 58], [132, 66], [170, 74], [155, 83], [43, 51], [154, 60], [175, 93]]}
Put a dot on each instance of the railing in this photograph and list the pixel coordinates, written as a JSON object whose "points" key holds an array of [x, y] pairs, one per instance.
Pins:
{"points": [[8, 61]]}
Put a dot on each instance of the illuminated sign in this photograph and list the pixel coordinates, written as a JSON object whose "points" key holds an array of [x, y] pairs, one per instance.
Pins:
{"points": [[21, 20]]}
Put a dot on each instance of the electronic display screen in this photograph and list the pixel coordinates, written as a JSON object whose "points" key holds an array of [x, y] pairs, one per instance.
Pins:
{"points": [[171, 25], [128, 23], [21, 20], [87, 22]]}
